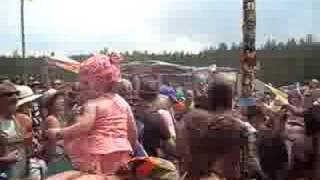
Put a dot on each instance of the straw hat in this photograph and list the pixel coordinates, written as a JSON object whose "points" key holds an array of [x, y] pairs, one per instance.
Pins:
{"points": [[26, 95]]}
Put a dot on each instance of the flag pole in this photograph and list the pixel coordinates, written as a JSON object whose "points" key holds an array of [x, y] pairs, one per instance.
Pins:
{"points": [[23, 45]]}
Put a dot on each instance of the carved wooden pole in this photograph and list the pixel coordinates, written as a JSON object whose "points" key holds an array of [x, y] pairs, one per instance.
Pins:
{"points": [[247, 68], [248, 49]]}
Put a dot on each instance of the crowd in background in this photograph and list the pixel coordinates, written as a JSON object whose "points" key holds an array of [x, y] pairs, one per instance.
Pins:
{"points": [[103, 123]]}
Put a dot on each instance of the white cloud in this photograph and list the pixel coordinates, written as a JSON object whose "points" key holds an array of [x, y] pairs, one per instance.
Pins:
{"points": [[104, 22], [89, 17], [187, 44]]}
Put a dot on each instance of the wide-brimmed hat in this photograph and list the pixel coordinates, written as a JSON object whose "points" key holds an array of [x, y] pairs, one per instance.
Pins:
{"points": [[26, 95]]}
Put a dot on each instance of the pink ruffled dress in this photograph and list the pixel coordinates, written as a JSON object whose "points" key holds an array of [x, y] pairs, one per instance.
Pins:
{"points": [[106, 147]]}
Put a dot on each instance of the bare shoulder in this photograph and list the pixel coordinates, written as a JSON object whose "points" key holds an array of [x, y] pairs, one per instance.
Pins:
{"points": [[196, 118], [23, 120], [196, 115], [51, 118], [22, 117]]}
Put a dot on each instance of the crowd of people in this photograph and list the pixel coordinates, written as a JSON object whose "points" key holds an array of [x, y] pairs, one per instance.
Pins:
{"points": [[107, 127]]}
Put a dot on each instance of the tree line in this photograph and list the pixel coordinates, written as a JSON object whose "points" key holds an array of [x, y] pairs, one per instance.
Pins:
{"points": [[207, 53]]}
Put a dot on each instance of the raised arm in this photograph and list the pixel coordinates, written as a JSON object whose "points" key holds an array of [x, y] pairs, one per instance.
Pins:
{"points": [[84, 123], [295, 110]]}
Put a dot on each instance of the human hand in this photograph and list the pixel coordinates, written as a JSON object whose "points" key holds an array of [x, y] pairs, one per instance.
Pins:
{"points": [[278, 102], [13, 156], [52, 133]]}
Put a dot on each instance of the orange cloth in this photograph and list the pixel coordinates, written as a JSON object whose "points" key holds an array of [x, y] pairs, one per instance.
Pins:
{"points": [[180, 106]]}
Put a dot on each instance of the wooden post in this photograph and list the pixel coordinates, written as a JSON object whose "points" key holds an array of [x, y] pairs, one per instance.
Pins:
{"points": [[247, 67]]}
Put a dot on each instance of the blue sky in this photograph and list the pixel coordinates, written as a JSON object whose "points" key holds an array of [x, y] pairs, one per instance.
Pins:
{"points": [[74, 26]]}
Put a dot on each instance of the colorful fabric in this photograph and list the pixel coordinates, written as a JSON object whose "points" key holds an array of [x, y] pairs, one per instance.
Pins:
{"points": [[189, 105], [99, 72], [153, 168], [168, 91], [180, 106], [180, 95]]}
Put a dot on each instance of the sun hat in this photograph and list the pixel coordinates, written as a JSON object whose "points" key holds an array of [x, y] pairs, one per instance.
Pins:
{"points": [[26, 95]]}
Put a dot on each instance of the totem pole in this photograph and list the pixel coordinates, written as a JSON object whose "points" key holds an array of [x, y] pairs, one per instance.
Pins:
{"points": [[248, 50], [247, 69]]}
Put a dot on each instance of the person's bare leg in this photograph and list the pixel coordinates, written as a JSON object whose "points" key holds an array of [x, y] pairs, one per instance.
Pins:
{"points": [[65, 175]]}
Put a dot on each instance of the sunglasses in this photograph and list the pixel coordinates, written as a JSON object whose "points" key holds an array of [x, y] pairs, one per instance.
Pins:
{"points": [[10, 94]]}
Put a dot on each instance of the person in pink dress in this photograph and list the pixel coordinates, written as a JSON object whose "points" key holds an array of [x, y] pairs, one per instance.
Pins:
{"points": [[106, 127]]}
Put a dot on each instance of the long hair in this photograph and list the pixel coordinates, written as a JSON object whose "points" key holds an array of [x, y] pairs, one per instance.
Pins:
{"points": [[51, 100], [204, 139], [219, 96]]}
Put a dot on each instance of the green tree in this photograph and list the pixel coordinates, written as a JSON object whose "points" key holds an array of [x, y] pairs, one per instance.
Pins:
{"points": [[104, 51], [223, 47], [291, 43], [302, 42], [234, 46], [281, 46]]}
